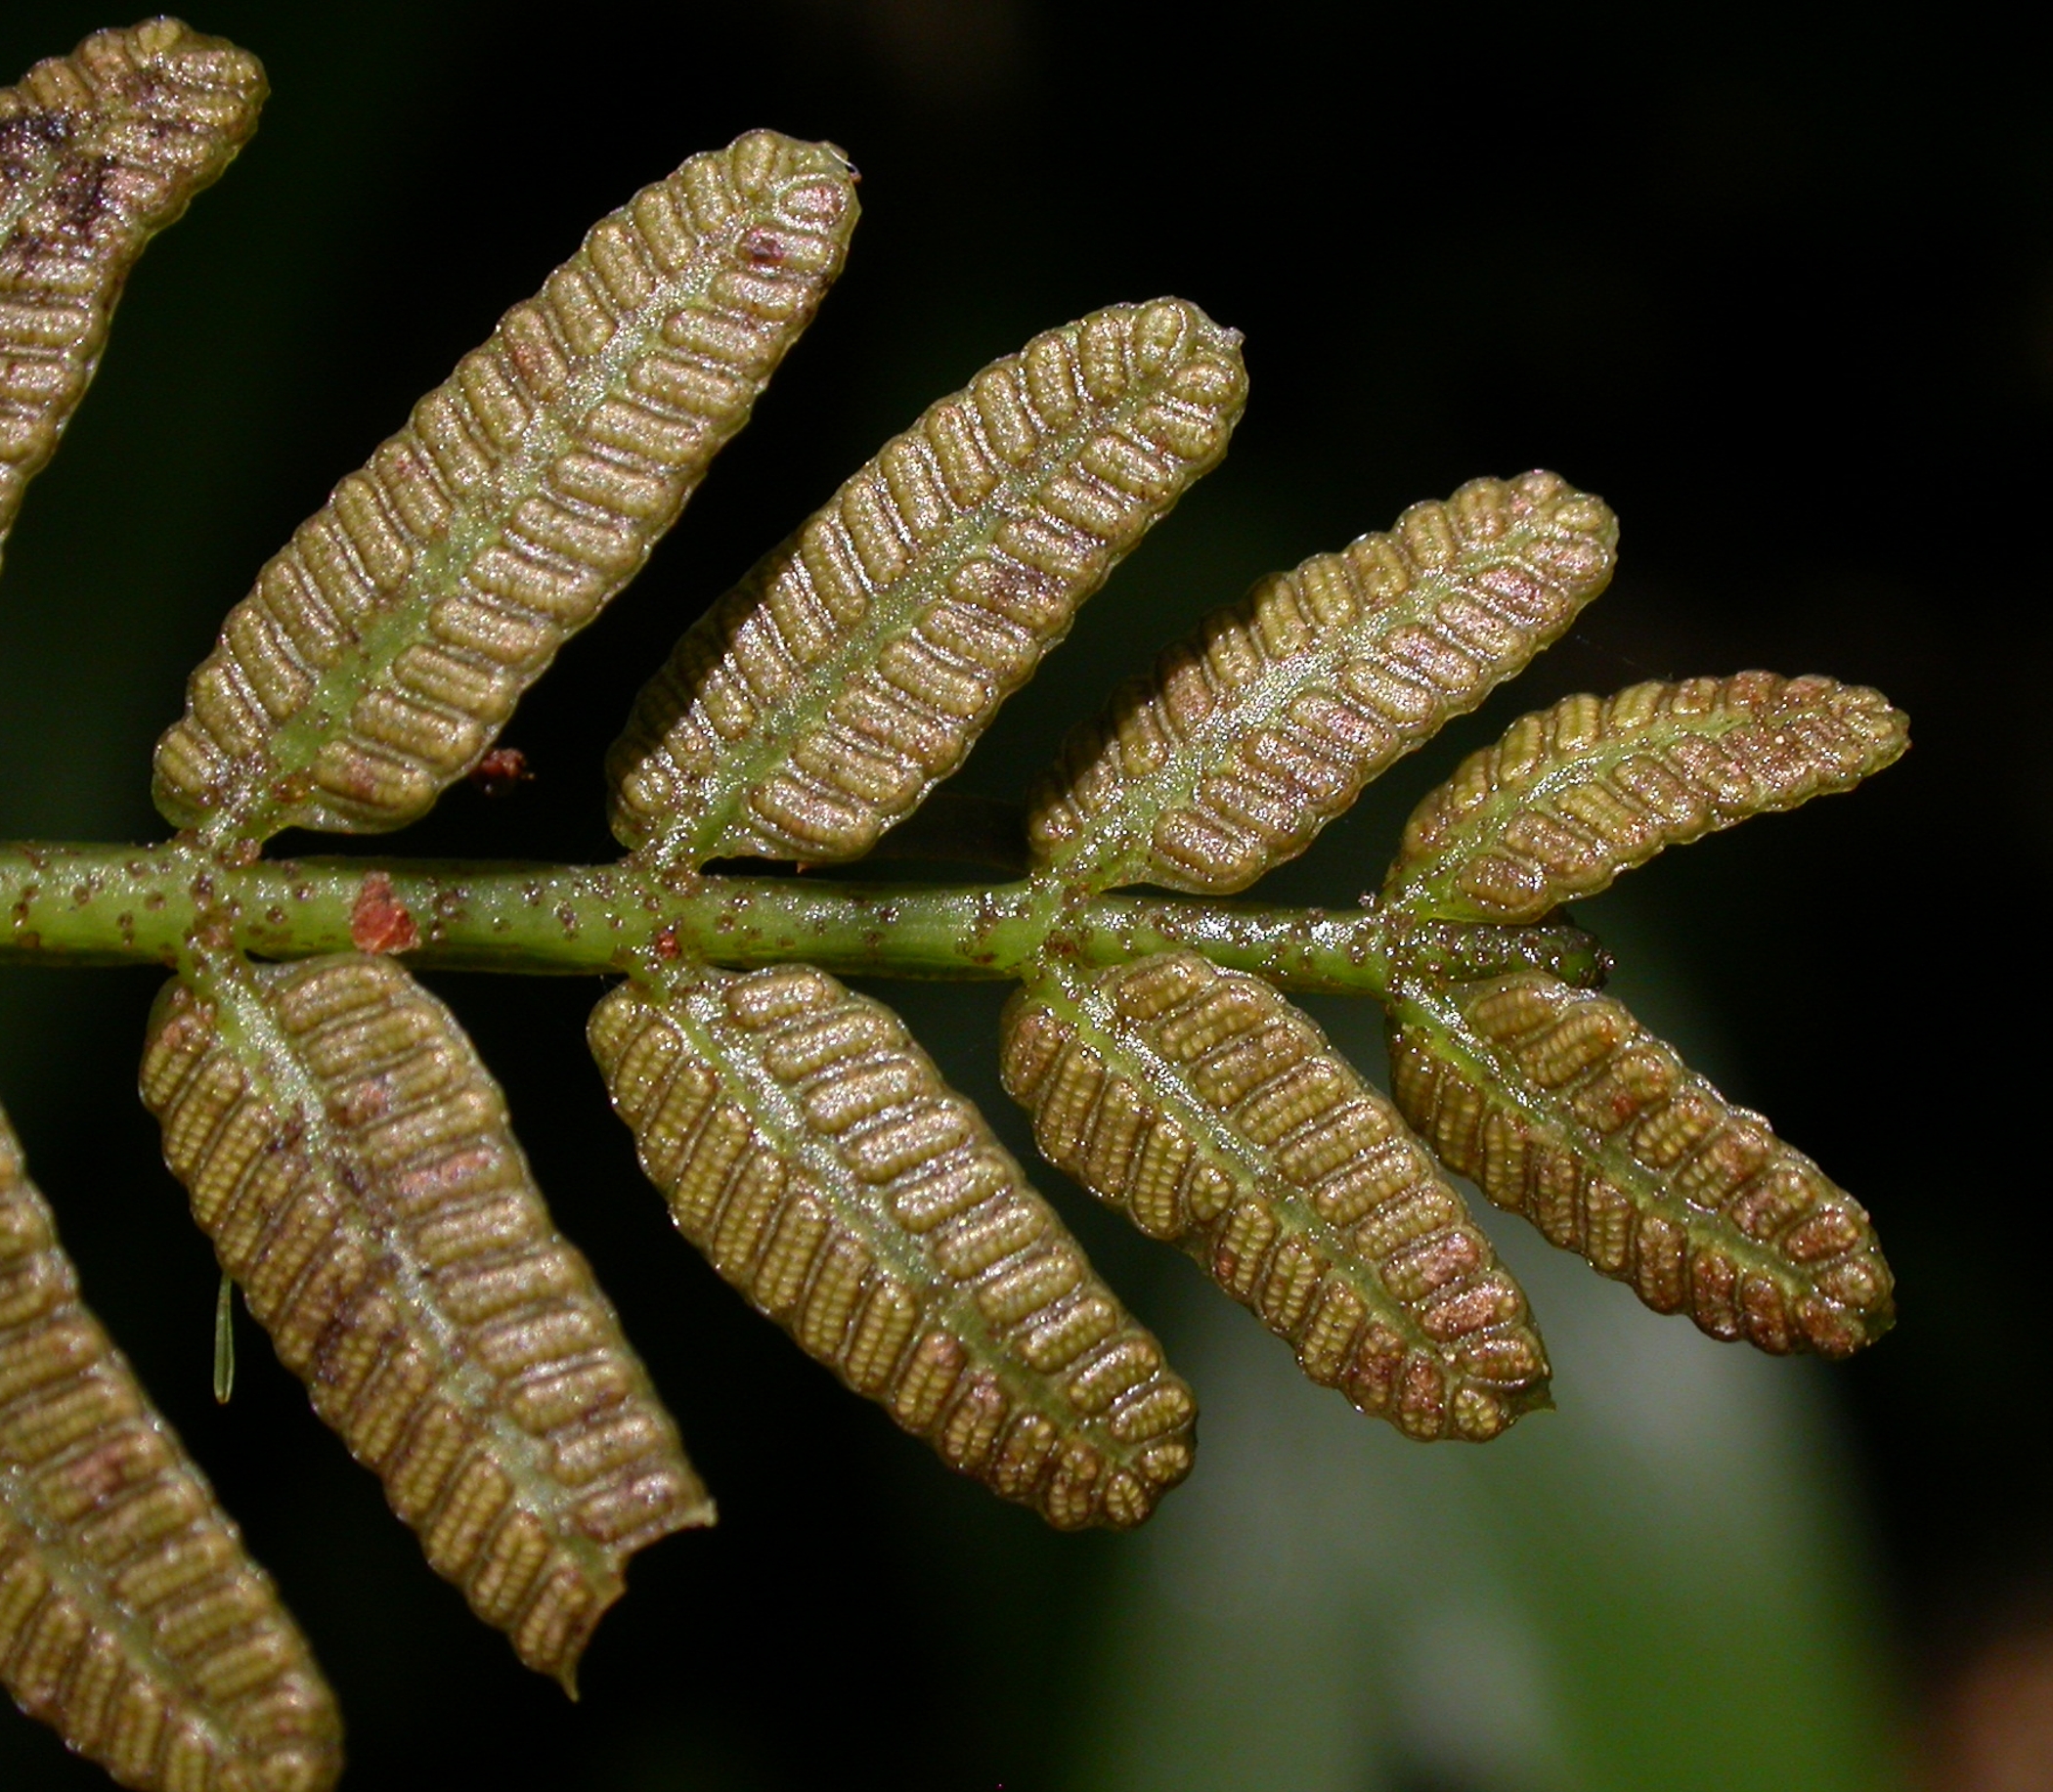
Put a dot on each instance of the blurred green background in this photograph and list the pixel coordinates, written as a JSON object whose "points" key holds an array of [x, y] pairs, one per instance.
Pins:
{"points": [[1782, 291]]}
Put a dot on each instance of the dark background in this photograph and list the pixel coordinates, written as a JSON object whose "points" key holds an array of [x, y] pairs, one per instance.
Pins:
{"points": [[1783, 291]]}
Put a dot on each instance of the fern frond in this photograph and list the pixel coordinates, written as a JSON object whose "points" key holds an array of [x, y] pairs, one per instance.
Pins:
{"points": [[810, 1150], [351, 1159], [98, 150], [1213, 1113], [384, 647], [1573, 795], [853, 668], [131, 1619], [1273, 715], [1562, 1107]]}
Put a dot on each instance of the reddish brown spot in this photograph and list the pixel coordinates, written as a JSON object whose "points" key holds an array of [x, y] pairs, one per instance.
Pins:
{"points": [[1436, 1262], [501, 772], [351, 775], [380, 922], [449, 1175], [530, 360], [1713, 1281], [1512, 1361], [666, 946], [1226, 1262], [1833, 1334], [762, 248], [186, 1030], [821, 203], [1422, 1398], [1764, 1314], [1371, 1377], [1827, 1232], [1460, 1314], [360, 1104], [95, 1476]]}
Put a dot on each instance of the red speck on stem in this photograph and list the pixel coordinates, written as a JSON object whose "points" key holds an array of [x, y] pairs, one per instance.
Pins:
{"points": [[501, 772], [380, 922], [665, 944]]}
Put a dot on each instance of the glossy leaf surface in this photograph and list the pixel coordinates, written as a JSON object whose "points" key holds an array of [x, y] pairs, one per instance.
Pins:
{"points": [[1214, 1114], [351, 1162], [1270, 717], [1562, 1107], [810, 1150], [822, 698], [1573, 795], [131, 1619], [383, 648], [98, 150]]}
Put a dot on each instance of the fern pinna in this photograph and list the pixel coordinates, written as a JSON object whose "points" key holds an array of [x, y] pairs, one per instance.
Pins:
{"points": [[352, 1159]]}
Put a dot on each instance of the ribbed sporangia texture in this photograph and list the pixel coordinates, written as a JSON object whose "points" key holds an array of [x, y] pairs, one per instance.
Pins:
{"points": [[381, 651], [1269, 719], [810, 1149], [1598, 1134], [819, 700], [98, 150], [1573, 795], [351, 1159], [131, 1620], [1214, 1114]]}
